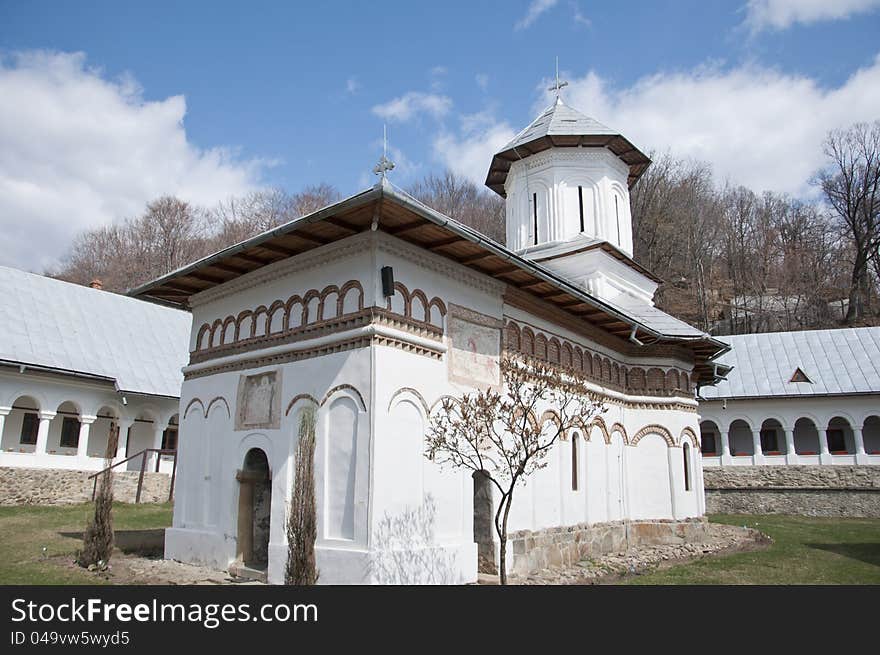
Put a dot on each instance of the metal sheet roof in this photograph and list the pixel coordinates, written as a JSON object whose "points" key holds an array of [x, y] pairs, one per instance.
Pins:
{"points": [[66, 327], [559, 119], [845, 361], [560, 126]]}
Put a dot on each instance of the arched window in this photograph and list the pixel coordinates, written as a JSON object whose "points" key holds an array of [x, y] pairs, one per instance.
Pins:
{"points": [[581, 206], [617, 216], [535, 216], [686, 453], [574, 462]]}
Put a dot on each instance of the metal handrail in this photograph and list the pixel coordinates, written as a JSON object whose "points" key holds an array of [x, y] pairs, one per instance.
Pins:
{"points": [[143, 455]]}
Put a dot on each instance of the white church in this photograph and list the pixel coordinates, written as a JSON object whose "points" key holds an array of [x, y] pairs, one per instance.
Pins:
{"points": [[307, 314]]}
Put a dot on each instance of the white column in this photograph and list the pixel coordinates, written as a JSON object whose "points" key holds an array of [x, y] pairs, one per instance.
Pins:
{"points": [[790, 452], [824, 454], [43, 432], [85, 426], [157, 443], [670, 467], [624, 484], [757, 452], [700, 488], [122, 448], [861, 456], [725, 448], [4, 412]]}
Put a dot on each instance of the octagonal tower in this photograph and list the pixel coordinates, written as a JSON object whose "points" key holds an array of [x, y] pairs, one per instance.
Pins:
{"points": [[566, 178]]}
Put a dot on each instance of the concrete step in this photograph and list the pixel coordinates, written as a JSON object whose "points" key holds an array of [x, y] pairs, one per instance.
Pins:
{"points": [[242, 572]]}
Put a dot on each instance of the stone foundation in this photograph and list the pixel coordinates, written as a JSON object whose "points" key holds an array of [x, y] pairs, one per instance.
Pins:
{"points": [[26, 486], [852, 491], [565, 546]]}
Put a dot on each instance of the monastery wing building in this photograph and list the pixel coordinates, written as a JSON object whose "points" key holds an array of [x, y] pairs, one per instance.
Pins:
{"points": [[307, 314], [807, 398], [74, 360]]}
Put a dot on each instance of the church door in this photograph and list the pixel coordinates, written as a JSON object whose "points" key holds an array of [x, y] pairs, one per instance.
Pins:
{"points": [[254, 506]]}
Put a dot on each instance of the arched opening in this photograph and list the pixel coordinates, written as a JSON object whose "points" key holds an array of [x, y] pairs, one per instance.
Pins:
{"points": [[169, 435], [840, 437], [871, 435], [574, 461], [740, 436], [140, 436], [169, 442], [772, 437], [254, 505], [484, 522], [64, 430], [686, 461], [101, 442], [21, 425], [710, 438], [806, 437]]}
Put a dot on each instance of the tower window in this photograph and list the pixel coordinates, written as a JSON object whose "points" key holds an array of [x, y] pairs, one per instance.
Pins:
{"points": [[617, 217], [686, 454], [574, 462], [535, 214], [581, 205]]}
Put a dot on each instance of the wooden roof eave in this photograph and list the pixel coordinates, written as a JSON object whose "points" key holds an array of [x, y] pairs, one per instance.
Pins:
{"points": [[568, 297], [239, 249]]}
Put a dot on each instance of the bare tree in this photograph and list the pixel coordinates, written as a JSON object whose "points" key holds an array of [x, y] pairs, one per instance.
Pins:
{"points": [[237, 219], [851, 185], [172, 233], [461, 199], [507, 435], [677, 213]]}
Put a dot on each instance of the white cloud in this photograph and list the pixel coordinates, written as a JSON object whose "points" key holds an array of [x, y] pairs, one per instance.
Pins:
{"points": [[536, 8], [409, 105], [78, 151], [352, 86], [781, 14], [469, 152], [756, 126], [578, 17]]}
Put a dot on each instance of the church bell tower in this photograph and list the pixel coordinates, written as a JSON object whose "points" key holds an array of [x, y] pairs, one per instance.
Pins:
{"points": [[566, 178]]}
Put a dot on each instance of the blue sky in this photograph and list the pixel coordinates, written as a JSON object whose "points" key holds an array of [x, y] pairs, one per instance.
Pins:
{"points": [[106, 104]]}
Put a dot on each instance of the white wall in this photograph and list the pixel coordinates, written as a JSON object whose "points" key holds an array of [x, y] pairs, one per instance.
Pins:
{"points": [[385, 512], [554, 175]]}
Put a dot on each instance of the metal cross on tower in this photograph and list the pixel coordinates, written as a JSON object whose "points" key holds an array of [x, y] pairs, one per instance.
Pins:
{"points": [[384, 164], [557, 87]]}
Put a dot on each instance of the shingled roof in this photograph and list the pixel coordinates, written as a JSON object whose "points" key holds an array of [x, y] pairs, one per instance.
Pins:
{"points": [[69, 329], [560, 126]]}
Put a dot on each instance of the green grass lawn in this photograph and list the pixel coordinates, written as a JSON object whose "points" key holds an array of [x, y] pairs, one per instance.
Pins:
{"points": [[25, 530], [804, 551]]}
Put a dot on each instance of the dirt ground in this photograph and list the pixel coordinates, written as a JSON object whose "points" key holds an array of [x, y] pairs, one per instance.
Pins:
{"points": [[136, 569]]}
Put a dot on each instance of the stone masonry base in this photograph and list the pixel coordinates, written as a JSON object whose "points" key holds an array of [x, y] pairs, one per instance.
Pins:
{"points": [[852, 491], [565, 546], [26, 486]]}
